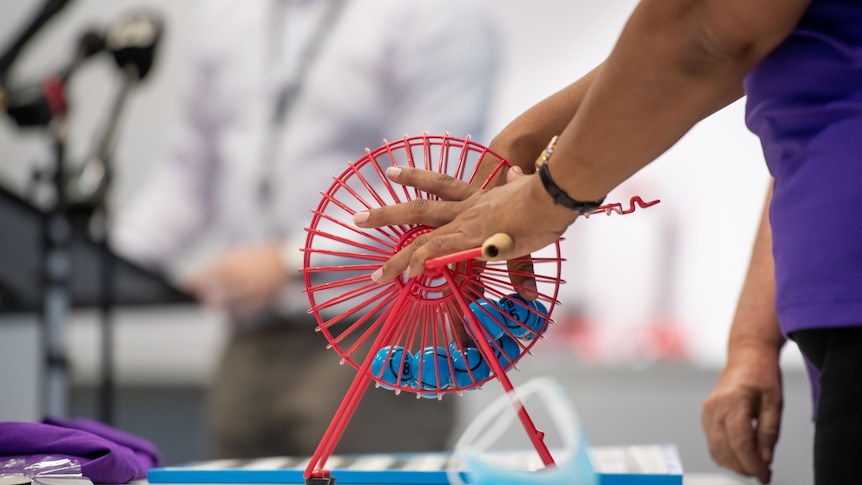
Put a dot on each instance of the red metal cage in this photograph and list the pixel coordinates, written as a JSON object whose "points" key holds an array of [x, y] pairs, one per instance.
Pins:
{"points": [[453, 328]]}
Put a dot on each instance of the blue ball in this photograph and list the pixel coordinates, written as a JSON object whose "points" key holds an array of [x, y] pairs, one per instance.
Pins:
{"points": [[539, 326], [488, 314], [525, 319], [432, 368], [388, 367], [464, 359], [510, 350]]}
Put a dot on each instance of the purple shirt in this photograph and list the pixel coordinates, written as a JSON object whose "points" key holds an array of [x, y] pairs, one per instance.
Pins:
{"points": [[805, 104]]}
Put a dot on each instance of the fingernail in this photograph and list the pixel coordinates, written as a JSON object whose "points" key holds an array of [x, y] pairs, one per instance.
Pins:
{"points": [[766, 455], [393, 172], [530, 286], [376, 275], [360, 217], [517, 170]]}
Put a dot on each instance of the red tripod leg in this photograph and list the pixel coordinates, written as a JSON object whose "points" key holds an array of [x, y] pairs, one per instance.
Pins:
{"points": [[536, 436], [315, 473]]}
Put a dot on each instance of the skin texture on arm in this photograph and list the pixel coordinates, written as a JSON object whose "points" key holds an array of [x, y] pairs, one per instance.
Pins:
{"points": [[676, 62], [518, 143], [742, 415], [527, 135]]}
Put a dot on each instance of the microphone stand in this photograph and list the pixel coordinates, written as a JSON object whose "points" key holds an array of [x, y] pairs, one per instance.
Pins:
{"points": [[133, 53], [100, 228], [56, 271]]}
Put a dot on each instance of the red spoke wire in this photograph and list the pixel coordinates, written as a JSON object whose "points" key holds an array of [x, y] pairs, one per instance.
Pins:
{"points": [[405, 315], [493, 173], [386, 297], [381, 313], [352, 267], [387, 147], [351, 212], [505, 325], [350, 295], [540, 278], [339, 283], [459, 348], [411, 162], [536, 436], [502, 287], [356, 196], [461, 167], [368, 330], [354, 394], [445, 147], [382, 258], [380, 202], [336, 238], [382, 176], [422, 145], [440, 317], [388, 242], [426, 152]]}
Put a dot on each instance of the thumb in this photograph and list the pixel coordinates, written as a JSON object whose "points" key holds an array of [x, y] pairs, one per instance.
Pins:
{"points": [[514, 173], [768, 426]]}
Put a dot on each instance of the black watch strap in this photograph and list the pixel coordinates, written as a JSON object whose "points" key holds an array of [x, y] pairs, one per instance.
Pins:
{"points": [[557, 194]]}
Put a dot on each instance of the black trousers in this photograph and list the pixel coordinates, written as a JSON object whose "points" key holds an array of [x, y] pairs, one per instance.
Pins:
{"points": [[837, 355]]}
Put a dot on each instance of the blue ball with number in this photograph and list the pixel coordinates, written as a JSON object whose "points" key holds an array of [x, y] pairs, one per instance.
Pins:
{"points": [[539, 325], [394, 365], [524, 319], [506, 349], [489, 315], [468, 366], [432, 368]]}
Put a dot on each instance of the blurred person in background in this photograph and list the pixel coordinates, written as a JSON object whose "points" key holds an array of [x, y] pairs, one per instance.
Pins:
{"points": [[676, 62], [281, 95]]}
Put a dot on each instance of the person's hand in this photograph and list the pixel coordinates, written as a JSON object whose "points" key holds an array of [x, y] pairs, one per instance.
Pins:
{"points": [[742, 415], [466, 216], [241, 281]]}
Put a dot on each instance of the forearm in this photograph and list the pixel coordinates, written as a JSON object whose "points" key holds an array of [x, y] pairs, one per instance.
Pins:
{"points": [[755, 323], [521, 141], [676, 62]]}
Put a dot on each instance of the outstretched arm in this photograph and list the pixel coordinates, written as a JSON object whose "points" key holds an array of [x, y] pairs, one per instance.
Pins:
{"points": [[676, 62], [742, 415], [522, 139]]}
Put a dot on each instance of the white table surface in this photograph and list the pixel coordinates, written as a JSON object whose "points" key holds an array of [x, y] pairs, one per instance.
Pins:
{"points": [[710, 479]]}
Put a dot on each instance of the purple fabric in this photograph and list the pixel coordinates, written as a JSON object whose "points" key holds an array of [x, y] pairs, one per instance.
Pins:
{"points": [[804, 101], [106, 455], [805, 104], [814, 378]]}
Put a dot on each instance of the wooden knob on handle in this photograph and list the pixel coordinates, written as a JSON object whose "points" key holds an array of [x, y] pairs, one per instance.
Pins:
{"points": [[497, 247]]}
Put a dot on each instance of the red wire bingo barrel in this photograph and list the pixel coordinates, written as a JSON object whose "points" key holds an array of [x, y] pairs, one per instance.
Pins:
{"points": [[351, 309], [453, 328]]}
